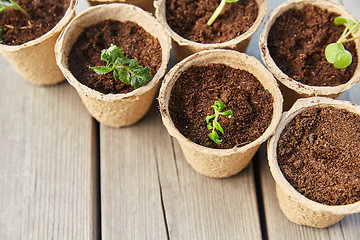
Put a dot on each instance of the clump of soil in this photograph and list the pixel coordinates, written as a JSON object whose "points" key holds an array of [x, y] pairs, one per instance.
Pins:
{"points": [[188, 18], [319, 154], [19, 28], [132, 39], [297, 42], [200, 86]]}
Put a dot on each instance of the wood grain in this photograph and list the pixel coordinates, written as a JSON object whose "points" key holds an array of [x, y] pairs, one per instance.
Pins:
{"points": [[49, 175], [131, 204], [217, 208], [149, 185], [47, 178]]}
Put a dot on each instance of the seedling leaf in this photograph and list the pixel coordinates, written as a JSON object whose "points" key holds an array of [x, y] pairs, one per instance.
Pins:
{"points": [[116, 73], [11, 4], [349, 24], [228, 113], [335, 53], [125, 60], [332, 51], [8, 5], [215, 137], [340, 21], [218, 106], [111, 54], [140, 77], [343, 60], [208, 118], [102, 69], [133, 64], [215, 125], [125, 76], [126, 70], [218, 127]]}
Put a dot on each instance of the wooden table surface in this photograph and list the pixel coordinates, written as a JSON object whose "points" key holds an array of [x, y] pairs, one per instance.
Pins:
{"points": [[65, 176]]}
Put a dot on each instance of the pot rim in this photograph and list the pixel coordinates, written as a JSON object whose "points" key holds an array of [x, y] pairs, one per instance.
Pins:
{"points": [[228, 57], [160, 13], [300, 106], [86, 19], [56, 29], [282, 77]]}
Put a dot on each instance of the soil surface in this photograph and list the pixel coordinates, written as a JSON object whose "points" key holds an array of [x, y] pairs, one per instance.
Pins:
{"points": [[19, 28], [297, 42], [200, 86], [188, 18], [319, 154], [132, 39]]}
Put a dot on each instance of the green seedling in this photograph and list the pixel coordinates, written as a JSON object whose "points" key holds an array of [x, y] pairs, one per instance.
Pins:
{"points": [[335, 53], [126, 70], [218, 106], [8, 5], [218, 10]]}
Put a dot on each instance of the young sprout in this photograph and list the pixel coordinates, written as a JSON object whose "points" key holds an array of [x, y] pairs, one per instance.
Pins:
{"points": [[126, 70], [335, 53], [218, 10], [7, 5], [218, 106]]}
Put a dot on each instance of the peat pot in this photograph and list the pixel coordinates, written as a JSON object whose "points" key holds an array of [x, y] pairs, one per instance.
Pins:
{"points": [[147, 5], [212, 162], [123, 109], [294, 89], [311, 210], [35, 60], [184, 47]]}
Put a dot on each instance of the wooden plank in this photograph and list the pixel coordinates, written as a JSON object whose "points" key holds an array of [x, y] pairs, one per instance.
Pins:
{"points": [[210, 208], [131, 206], [137, 180], [163, 197], [198, 207], [47, 176]]}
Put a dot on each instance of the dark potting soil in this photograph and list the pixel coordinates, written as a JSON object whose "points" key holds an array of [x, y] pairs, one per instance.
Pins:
{"points": [[297, 42], [132, 39], [199, 86], [319, 154], [188, 18], [19, 28]]}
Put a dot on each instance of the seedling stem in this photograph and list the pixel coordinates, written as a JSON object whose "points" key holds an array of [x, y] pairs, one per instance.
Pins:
{"points": [[218, 11]]}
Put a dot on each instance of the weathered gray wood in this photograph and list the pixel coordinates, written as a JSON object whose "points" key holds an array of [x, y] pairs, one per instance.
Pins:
{"points": [[214, 208], [131, 205], [47, 179], [198, 207], [48, 171], [179, 202], [143, 170]]}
